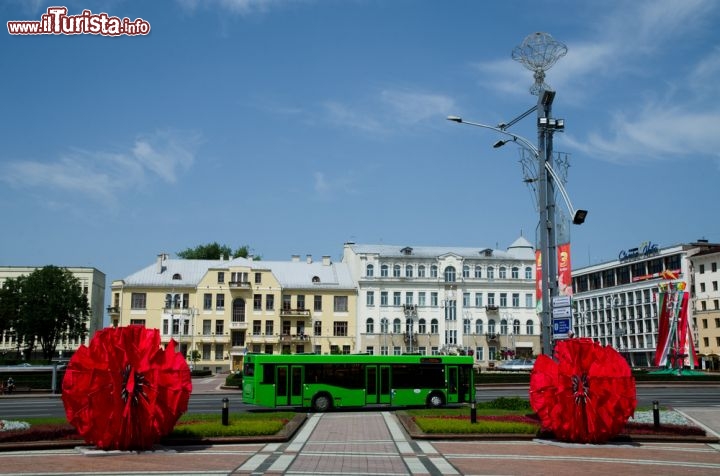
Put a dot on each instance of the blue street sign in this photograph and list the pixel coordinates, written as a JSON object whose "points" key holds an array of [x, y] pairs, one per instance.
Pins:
{"points": [[561, 328]]}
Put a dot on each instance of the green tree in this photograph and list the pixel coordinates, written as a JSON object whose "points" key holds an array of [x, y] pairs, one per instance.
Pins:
{"points": [[10, 303], [52, 306], [215, 250]]}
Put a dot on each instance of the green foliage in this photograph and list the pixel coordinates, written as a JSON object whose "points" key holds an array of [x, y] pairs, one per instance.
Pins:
{"points": [[44, 307], [234, 380], [508, 403], [234, 428], [463, 426], [215, 250]]}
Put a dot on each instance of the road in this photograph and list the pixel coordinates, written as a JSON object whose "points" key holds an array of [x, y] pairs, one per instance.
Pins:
{"points": [[25, 406]]}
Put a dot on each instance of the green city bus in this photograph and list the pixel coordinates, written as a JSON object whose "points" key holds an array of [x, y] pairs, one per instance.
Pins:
{"points": [[323, 382]]}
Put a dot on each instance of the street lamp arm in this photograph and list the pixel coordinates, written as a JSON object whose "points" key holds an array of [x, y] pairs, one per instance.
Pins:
{"points": [[514, 137]]}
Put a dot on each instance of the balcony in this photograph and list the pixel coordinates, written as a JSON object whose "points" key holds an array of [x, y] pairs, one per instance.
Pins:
{"points": [[294, 338], [287, 312], [239, 284], [113, 310], [492, 308], [263, 338], [238, 325], [491, 337]]}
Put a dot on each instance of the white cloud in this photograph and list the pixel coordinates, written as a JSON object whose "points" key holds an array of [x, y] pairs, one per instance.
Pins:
{"points": [[102, 175], [390, 109], [326, 188]]}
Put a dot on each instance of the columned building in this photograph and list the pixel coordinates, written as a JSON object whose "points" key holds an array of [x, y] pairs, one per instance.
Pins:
{"points": [[218, 310], [437, 300], [92, 282], [615, 303]]}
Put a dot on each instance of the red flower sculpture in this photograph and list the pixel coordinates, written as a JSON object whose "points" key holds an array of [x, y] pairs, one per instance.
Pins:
{"points": [[587, 395], [124, 391]]}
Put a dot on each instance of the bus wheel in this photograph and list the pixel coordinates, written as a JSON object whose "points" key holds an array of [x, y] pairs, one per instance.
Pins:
{"points": [[435, 400], [322, 402]]}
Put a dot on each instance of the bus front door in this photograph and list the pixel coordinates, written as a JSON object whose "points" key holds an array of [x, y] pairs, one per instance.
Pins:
{"points": [[288, 385], [453, 384], [377, 384]]}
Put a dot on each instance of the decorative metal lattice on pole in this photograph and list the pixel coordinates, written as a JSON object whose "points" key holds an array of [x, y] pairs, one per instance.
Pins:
{"points": [[539, 52]]}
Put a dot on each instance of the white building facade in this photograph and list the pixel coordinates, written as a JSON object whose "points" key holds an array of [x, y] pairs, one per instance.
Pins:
{"points": [[435, 300], [615, 303]]}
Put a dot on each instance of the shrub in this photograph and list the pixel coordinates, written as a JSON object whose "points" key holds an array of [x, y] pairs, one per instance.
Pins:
{"points": [[508, 403], [463, 426], [234, 380]]}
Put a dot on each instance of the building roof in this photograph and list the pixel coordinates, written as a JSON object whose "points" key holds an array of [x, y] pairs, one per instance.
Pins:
{"points": [[189, 272], [520, 249]]}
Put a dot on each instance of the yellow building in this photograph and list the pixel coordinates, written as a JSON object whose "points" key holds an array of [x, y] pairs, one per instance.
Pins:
{"points": [[92, 282], [218, 310], [705, 294]]}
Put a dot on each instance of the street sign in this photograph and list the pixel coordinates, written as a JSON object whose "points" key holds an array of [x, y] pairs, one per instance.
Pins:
{"points": [[561, 328], [561, 312], [561, 301]]}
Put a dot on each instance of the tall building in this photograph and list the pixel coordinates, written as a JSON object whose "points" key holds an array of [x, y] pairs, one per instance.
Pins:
{"points": [[616, 302], [433, 300], [217, 310], [92, 282], [705, 299]]}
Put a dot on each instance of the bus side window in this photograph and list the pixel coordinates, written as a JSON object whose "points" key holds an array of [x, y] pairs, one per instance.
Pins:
{"points": [[268, 373]]}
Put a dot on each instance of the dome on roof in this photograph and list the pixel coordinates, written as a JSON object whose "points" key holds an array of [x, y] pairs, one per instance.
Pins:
{"points": [[521, 243]]}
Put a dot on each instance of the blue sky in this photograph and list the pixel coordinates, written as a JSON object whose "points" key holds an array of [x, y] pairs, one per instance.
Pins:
{"points": [[294, 126]]}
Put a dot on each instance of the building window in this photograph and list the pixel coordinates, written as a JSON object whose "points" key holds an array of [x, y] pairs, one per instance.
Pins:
{"points": [[370, 298], [340, 328], [433, 299], [702, 287], [421, 298], [370, 326], [434, 326], [258, 278], [466, 326], [702, 269], [490, 272], [396, 298], [257, 327], [340, 304], [383, 298], [479, 353], [451, 337], [286, 302], [422, 326], [207, 325], [369, 271], [503, 327], [478, 299], [409, 271], [206, 349], [221, 277], [491, 326], [257, 302], [269, 302], [207, 301], [138, 301], [409, 298], [450, 274], [434, 271], [269, 327], [529, 327], [503, 272], [479, 326], [384, 271], [516, 327], [396, 271], [421, 271], [466, 299], [317, 328], [317, 303], [516, 300], [528, 272], [450, 310], [515, 272], [396, 326], [478, 271], [466, 271], [528, 300], [220, 301], [491, 299], [301, 302], [219, 327]]}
